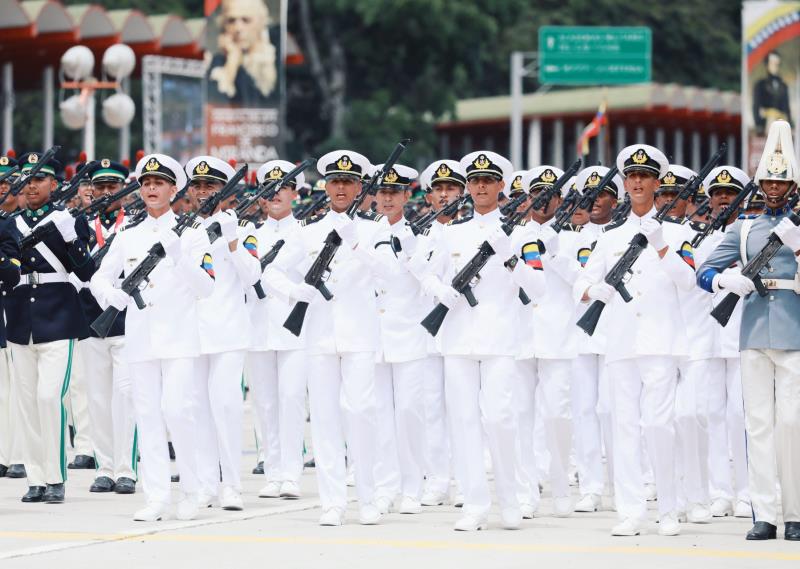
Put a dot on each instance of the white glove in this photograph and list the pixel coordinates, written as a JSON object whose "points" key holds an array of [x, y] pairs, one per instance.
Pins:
{"points": [[117, 298], [500, 242], [65, 224], [734, 282], [652, 229], [789, 233], [549, 239], [601, 291], [171, 243], [228, 224], [447, 295], [303, 292], [408, 243], [347, 230]]}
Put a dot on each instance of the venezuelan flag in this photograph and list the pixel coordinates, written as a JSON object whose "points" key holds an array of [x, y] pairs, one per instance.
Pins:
{"points": [[583, 255], [687, 253], [208, 265], [251, 244], [532, 256]]}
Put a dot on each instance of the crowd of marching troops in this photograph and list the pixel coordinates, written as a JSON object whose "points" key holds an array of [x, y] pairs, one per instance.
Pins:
{"points": [[415, 342]]}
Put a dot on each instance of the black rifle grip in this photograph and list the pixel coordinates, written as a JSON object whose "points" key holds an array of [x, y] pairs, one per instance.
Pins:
{"points": [[433, 321], [588, 322], [722, 311], [760, 288], [323, 290], [137, 297], [523, 298], [259, 290], [294, 323], [102, 324], [468, 294], [623, 292]]}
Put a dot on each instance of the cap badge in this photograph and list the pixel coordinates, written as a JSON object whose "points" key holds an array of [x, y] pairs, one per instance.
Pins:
{"points": [[276, 173], [344, 163], [593, 180], [777, 164], [548, 177], [3, 160], [391, 177], [517, 183], [639, 157], [482, 162], [105, 163], [724, 177], [443, 171], [152, 165], [201, 169], [669, 179], [33, 158]]}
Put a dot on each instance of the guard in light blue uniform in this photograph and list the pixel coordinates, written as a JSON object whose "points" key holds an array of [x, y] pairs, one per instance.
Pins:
{"points": [[769, 340]]}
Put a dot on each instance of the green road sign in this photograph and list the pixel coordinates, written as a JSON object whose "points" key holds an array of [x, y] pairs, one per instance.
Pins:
{"points": [[589, 55]]}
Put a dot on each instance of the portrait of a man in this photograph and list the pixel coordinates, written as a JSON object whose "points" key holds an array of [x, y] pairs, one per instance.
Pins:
{"points": [[771, 96]]}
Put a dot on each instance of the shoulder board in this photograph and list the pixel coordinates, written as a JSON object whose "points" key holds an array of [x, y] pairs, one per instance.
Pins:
{"points": [[573, 227], [698, 225], [244, 223], [614, 225], [196, 225], [460, 220], [673, 219], [311, 219], [522, 223], [370, 215]]}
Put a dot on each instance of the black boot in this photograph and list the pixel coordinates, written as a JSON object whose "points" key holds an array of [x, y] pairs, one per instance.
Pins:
{"points": [[102, 484], [3, 470], [82, 462], [54, 494], [125, 486], [259, 469], [16, 471], [791, 531], [34, 494], [762, 531]]}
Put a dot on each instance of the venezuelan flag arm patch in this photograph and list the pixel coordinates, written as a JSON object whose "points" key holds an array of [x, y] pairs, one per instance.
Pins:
{"points": [[208, 265], [583, 255], [251, 245], [687, 254], [532, 256]]}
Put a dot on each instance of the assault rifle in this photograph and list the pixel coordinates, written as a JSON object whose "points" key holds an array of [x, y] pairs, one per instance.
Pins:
{"points": [[321, 266], [720, 220], [617, 274], [422, 223]]}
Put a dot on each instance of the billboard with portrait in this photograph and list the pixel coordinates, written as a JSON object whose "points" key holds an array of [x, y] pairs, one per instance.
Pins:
{"points": [[770, 72], [244, 79]]}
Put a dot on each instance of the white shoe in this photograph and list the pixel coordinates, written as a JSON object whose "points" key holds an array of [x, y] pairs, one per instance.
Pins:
{"points": [[205, 500], [383, 504], [290, 490], [650, 492], [627, 527], [562, 507], [152, 512], [527, 511], [743, 509], [332, 517], [510, 518], [588, 503], [669, 525], [187, 508], [430, 498], [470, 523], [698, 514], [230, 499], [721, 508], [458, 501], [369, 515], [409, 506], [271, 490], [350, 479]]}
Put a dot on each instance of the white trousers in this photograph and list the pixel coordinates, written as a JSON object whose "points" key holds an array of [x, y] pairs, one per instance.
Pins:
{"points": [[691, 429], [525, 407], [341, 390], [727, 442], [586, 370], [165, 396], [42, 374], [77, 403], [278, 380], [643, 403], [480, 399], [437, 439], [219, 420], [111, 414], [771, 388], [399, 393], [7, 408]]}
